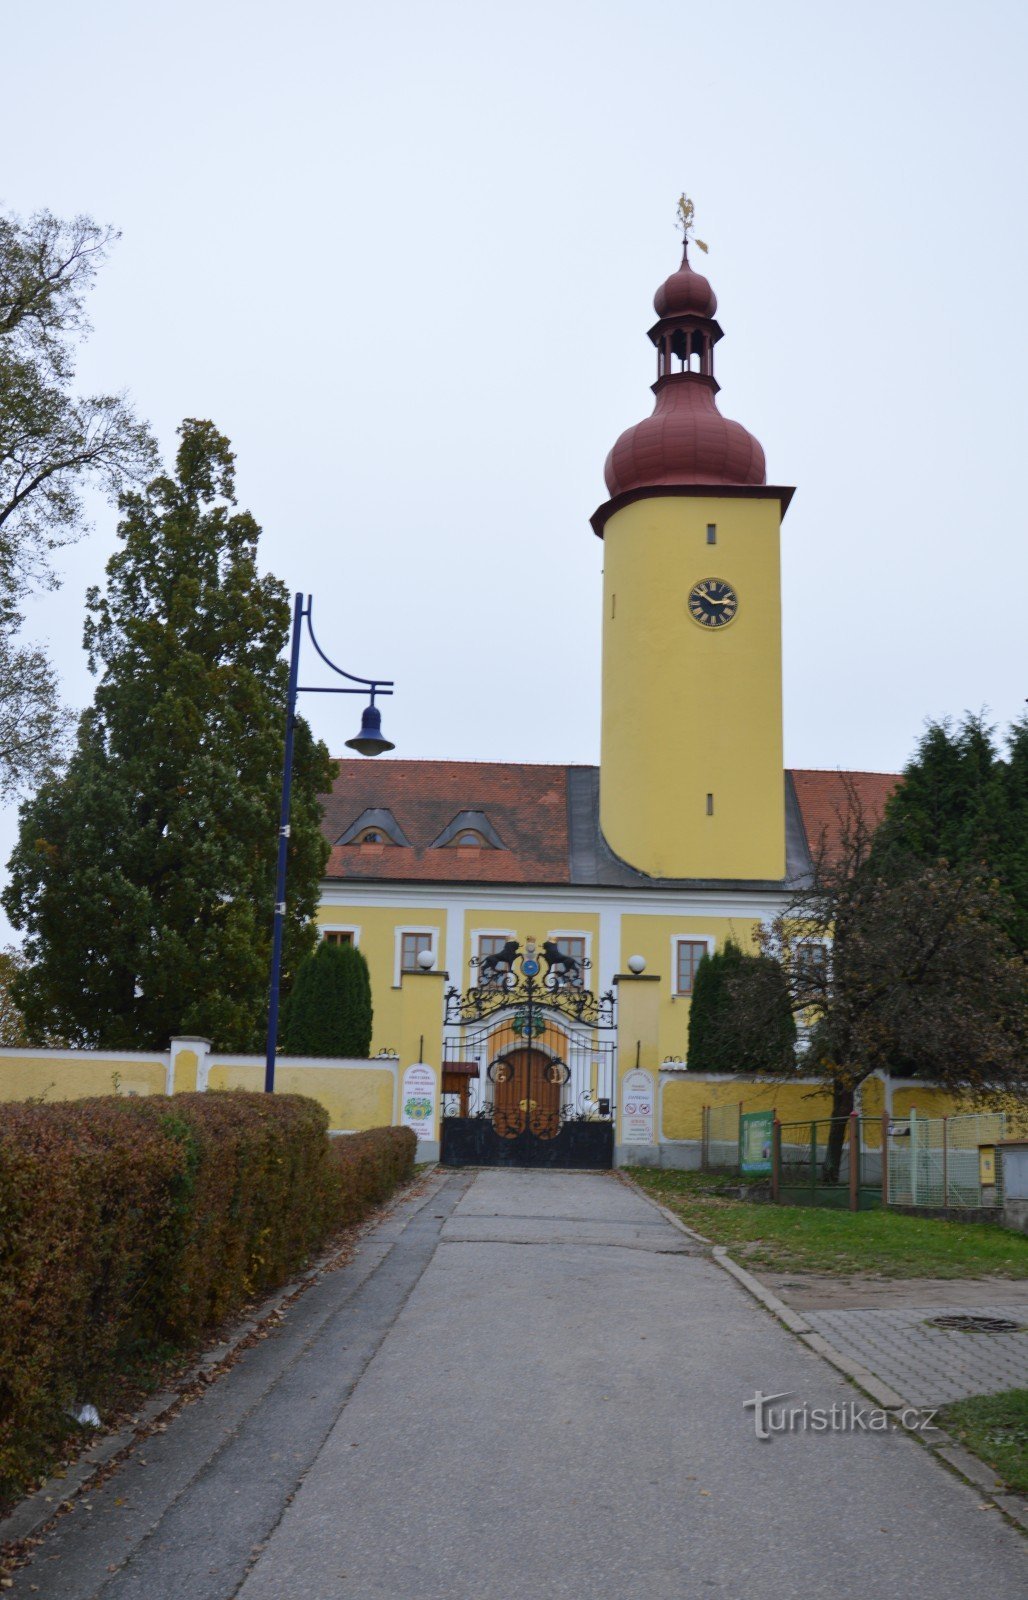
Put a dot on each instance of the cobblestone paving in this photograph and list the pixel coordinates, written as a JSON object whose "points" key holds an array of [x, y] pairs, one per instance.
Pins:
{"points": [[929, 1366]]}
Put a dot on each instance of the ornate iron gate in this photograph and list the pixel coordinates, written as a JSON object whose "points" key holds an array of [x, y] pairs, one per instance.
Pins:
{"points": [[529, 1066]]}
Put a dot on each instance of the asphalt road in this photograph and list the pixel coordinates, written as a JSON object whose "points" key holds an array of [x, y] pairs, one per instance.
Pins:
{"points": [[526, 1385]]}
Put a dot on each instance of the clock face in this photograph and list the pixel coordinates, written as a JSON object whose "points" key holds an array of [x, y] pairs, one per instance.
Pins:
{"points": [[713, 603]]}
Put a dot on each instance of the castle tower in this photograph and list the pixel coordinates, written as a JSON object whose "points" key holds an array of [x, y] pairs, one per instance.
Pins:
{"points": [[691, 774]]}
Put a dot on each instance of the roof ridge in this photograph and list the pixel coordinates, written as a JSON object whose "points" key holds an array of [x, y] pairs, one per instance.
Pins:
{"points": [[458, 761], [855, 772]]}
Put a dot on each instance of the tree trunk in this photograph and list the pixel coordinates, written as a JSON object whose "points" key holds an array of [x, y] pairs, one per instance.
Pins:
{"points": [[842, 1106]]}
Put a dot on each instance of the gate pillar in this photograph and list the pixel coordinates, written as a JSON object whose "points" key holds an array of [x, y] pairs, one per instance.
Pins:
{"points": [[638, 1012], [421, 1057]]}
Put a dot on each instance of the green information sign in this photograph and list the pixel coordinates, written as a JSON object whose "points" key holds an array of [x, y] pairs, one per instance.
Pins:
{"points": [[755, 1130]]}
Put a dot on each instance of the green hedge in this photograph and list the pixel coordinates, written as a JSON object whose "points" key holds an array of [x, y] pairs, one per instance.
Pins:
{"points": [[130, 1226]]}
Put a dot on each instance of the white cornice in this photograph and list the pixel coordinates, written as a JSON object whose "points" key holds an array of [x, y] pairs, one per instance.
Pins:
{"points": [[567, 898]]}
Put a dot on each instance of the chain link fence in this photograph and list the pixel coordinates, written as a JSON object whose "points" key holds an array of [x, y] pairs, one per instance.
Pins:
{"points": [[935, 1161], [926, 1162], [720, 1148]]}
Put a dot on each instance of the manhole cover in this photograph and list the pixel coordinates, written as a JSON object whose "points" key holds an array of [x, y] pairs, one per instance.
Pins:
{"points": [[967, 1322]]}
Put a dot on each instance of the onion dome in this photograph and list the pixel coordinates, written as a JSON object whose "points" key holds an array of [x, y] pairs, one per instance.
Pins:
{"points": [[686, 441], [685, 293]]}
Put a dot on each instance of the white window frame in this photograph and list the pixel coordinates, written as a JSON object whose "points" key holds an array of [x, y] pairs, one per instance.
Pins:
{"points": [[577, 933], [484, 933], [822, 943], [682, 937], [412, 927]]}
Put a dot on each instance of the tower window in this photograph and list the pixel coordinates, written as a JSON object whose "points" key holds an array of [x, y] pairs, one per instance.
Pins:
{"points": [[712, 533], [710, 805]]}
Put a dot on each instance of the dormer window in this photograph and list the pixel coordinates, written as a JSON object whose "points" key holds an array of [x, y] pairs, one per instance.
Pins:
{"points": [[377, 826], [468, 830]]}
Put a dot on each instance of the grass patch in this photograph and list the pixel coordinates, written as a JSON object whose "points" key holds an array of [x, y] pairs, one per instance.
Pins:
{"points": [[994, 1427], [805, 1239]]}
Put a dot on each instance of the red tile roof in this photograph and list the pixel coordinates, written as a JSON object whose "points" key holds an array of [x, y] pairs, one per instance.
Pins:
{"points": [[528, 805], [825, 798]]}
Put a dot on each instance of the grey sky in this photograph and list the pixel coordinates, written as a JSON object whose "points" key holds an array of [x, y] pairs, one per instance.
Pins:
{"points": [[404, 256]]}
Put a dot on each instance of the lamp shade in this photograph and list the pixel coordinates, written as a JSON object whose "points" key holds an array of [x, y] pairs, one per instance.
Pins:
{"points": [[369, 741]]}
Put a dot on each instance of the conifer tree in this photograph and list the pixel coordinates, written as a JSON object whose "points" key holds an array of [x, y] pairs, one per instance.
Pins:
{"points": [[143, 877], [725, 1036], [329, 1011], [962, 805]]}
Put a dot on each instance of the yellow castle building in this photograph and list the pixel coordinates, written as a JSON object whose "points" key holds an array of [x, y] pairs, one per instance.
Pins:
{"points": [[533, 931]]}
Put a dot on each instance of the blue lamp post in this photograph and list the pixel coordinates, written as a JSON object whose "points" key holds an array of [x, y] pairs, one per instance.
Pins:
{"points": [[367, 742]]}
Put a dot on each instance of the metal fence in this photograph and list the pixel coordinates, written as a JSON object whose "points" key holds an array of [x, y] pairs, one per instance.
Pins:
{"points": [[829, 1161], [720, 1150], [935, 1161]]}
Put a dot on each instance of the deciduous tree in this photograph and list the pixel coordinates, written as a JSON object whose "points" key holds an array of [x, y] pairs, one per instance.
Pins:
{"points": [[53, 444], [894, 963]]}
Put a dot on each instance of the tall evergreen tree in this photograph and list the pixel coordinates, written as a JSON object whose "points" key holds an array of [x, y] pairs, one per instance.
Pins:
{"points": [[144, 876], [329, 1011], [961, 804], [1014, 859], [725, 1036]]}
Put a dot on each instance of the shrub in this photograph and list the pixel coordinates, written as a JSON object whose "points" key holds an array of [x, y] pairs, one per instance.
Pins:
{"points": [[369, 1166], [727, 1037], [129, 1226], [329, 1011]]}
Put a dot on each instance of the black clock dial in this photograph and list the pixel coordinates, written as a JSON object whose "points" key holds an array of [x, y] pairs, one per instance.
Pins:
{"points": [[713, 603]]}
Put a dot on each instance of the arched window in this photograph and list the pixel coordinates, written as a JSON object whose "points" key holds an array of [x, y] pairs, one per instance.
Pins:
{"points": [[371, 836]]}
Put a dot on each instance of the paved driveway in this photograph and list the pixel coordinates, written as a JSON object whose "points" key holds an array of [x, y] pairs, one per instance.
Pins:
{"points": [[529, 1386]]}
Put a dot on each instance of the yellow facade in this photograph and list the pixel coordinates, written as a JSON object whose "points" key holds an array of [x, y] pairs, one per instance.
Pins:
{"points": [[654, 937], [691, 712]]}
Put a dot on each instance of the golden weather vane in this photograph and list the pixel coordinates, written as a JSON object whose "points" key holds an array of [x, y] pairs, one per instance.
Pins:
{"points": [[686, 220]]}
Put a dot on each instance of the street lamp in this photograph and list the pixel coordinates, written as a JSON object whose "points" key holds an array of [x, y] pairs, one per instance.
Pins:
{"points": [[368, 741]]}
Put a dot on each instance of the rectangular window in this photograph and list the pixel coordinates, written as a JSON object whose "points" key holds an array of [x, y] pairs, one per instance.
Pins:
{"points": [[491, 944], [811, 964], [411, 946], [573, 946], [712, 533], [688, 955], [338, 936]]}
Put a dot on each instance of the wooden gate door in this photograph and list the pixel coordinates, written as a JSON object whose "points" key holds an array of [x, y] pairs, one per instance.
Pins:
{"points": [[528, 1086]]}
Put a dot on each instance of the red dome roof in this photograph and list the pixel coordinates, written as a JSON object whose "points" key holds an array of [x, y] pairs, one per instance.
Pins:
{"points": [[686, 293], [686, 440]]}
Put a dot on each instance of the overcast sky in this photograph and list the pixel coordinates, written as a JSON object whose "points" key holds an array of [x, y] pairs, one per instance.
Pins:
{"points": [[404, 256]]}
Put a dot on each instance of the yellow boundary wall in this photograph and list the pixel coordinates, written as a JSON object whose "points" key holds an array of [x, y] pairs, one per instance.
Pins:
{"points": [[684, 1094], [357, 1094], [360, 1094]]}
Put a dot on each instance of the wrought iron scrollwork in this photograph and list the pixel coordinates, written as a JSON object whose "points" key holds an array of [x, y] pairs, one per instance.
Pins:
{"points": [[501, 987]]}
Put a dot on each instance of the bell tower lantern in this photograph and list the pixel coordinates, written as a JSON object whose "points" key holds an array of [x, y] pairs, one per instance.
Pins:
{"points": [[691, 766]]}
